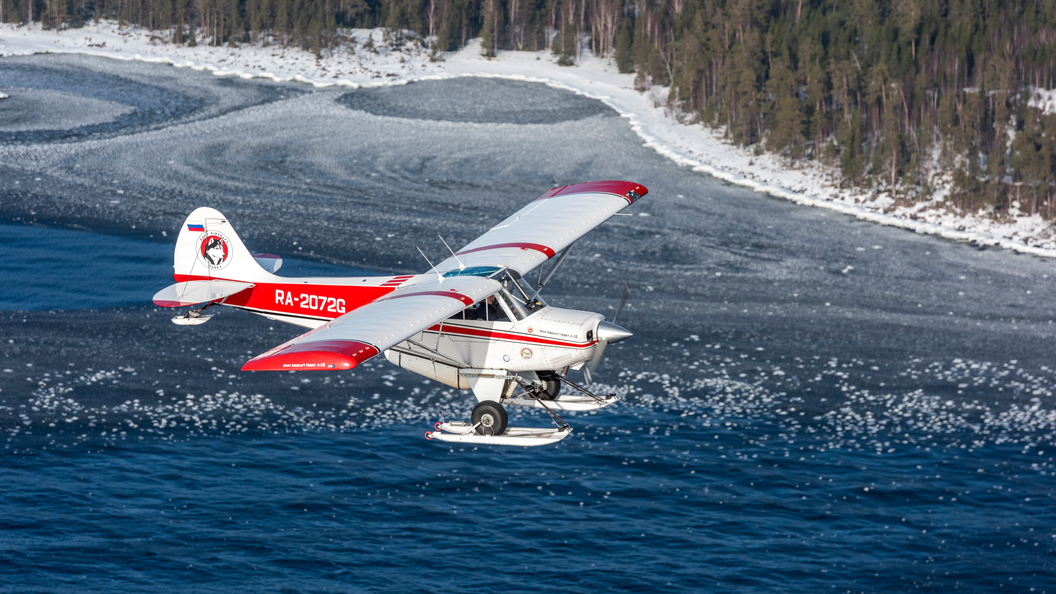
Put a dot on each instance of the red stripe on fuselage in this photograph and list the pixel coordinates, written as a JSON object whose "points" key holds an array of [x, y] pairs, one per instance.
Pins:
{"points": [[482, 333], [396, 281], [324, 302]]}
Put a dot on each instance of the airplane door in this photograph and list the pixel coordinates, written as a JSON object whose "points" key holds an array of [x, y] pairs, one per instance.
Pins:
{"points": [[476, 334]]}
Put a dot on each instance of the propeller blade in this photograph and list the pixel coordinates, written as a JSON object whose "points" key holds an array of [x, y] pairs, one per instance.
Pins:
{"points": [[623, 301], [586, 375], [595, 361], [607, 333]]}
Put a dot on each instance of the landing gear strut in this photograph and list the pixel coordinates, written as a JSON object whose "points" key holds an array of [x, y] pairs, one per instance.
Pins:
{"points": [[489, 417]]}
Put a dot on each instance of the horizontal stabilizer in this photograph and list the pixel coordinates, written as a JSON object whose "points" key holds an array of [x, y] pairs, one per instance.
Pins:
{"points": [[269, 262], [199, 291]]}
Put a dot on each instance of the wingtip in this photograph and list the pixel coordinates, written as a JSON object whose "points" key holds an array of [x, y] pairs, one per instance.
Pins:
{"points": [[302, 361], [328, 355]]}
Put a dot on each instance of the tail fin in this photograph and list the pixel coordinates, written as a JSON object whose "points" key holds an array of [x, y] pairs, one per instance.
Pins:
{"points": [[208, 248]]}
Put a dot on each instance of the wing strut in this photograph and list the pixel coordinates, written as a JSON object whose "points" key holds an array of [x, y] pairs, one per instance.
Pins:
{"points": [[560, 258]]}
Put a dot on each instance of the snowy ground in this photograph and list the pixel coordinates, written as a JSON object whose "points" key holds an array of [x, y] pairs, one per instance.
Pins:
{"points": [[689, 145]]}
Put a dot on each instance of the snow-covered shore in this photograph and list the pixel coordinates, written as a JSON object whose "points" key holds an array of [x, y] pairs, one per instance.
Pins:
{"points": [[689, 145]]}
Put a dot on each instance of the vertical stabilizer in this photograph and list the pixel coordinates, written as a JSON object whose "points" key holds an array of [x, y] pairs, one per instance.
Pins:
{"points": [[208, 248]]}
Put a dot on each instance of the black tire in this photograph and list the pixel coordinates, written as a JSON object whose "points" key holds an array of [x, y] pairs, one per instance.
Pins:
{"points": [[552, 385], [491, 416]]}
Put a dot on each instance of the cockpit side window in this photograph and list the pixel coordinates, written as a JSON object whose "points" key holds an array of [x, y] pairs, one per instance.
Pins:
{"points": [[511, 304], [470, 313], [491, 309]]}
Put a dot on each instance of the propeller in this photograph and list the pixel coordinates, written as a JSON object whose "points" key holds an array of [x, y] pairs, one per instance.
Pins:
{"points": [[608, 332]]}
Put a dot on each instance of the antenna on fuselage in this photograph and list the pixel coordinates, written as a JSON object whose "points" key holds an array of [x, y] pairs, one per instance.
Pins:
{"points": [[461, 266], [438, 275]]}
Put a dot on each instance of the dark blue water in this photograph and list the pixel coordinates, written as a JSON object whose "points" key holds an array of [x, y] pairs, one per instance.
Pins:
{"points": [[55, 269], [632, 503], [196, 493]]}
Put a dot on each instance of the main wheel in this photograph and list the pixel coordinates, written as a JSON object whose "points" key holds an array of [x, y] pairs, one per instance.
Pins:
{"points": [[551, 385], [491, 416]]}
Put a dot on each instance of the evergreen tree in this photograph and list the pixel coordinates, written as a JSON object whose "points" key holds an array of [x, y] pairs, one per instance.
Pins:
{"points": [[489, 30], [784, 110], [624, 45]]}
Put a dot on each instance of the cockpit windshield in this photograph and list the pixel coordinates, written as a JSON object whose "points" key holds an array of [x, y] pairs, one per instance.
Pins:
{"points": [[514, 298], [521, 302]]}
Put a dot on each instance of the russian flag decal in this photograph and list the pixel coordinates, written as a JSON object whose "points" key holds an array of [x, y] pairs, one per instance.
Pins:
{"points": [[195, 227]]}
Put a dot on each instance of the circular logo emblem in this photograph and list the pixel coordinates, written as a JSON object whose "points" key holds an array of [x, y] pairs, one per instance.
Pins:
{"points": [[526, 353], [214, 250], [530, 329]]}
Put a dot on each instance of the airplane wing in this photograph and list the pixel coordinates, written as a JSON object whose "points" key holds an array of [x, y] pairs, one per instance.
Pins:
{"points": [[364, 332], [548, 225]]}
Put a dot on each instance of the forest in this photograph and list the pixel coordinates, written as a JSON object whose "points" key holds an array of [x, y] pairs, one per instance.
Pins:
{"points": [[900, 96]]}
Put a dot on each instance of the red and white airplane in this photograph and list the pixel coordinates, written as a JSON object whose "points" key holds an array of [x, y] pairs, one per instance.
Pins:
{"points": [[473, 322]]}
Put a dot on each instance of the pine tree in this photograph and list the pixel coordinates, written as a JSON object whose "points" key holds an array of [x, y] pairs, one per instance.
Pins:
{"points": [[489, 31], [624, 45], [784, 110]]}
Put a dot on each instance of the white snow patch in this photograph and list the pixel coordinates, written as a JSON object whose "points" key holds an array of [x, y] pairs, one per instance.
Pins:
{"points": [[1043, 99]]}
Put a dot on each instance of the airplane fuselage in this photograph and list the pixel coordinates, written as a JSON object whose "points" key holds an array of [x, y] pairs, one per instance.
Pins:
{"points": [[479, 355], [309, 302], [458, 351]]}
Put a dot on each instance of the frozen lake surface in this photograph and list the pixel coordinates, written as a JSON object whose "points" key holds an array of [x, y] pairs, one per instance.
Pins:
{"points": [[811, 402]]}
